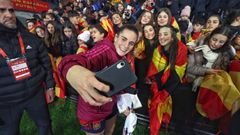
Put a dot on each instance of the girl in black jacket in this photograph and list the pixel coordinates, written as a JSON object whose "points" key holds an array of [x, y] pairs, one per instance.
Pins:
{"points": [[69, 39]]}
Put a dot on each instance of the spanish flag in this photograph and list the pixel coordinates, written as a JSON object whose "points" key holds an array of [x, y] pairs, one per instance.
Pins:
{"points": [[237, 57], [192, 37], [139, 50], [82, 48], [234, 72], [32, 30], [131, 60], [164, 81], [108, 26], [176, 26], [217, 96], [60, 84]]}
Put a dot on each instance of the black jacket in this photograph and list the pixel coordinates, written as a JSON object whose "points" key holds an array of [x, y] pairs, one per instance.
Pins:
{"points": [[12, 91], [69, 46]]}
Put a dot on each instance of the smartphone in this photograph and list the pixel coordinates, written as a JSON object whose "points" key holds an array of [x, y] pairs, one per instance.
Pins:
{"points": [[118, 76]]}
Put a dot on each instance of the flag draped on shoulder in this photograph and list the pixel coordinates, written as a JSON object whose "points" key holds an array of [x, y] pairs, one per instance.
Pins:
{"points": [[163, 81], [160, 62]]}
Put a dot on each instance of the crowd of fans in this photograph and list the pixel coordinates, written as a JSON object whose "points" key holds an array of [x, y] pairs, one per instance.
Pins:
{"points": [[180, 45]]}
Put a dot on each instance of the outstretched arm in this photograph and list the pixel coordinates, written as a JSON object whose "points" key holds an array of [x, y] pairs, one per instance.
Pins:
{"points": [[84, 81]]}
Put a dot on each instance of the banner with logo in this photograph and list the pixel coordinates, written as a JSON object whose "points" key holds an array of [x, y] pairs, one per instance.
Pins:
{"points": [[31, 5]]}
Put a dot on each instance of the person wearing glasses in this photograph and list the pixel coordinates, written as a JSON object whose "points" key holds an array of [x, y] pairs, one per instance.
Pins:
{"points": [[25, 71]]}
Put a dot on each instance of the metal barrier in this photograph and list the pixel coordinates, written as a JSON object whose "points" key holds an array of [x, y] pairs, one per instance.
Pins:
{"points": [[201, 127]]}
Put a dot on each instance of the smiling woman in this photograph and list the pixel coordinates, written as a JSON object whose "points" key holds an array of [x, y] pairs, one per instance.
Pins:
{"points": [[166, 71], [146, 17], [79, 71]]}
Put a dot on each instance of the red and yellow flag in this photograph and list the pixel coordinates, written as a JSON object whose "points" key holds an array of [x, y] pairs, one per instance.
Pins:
{"points": [[32, 30], [161, 102], [139, 50], [194, 36], [176, 26], [60, 84], [159, 62], [234, 72], [131, 59], [108, 26], [217, 96], [160, 109], [82, 48], [237, 57]]}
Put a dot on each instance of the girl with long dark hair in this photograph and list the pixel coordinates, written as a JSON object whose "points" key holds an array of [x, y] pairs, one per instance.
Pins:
{"points": [[53, 39], [208, 70], [166, 72], [69, 39], [143, 56]]}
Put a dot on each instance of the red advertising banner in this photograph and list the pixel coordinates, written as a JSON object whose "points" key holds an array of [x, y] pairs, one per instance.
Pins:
{"points": [[30, 5]]}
